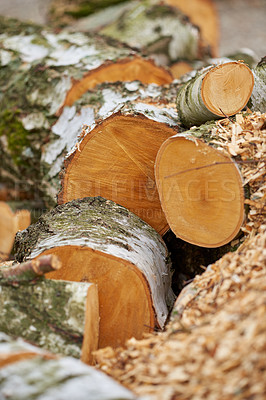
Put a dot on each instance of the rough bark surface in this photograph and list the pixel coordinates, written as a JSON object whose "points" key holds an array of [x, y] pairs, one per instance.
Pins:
{"points": [[48, 313], [258, 99], [159, 30], [113, 235], [40, 72], [40, 376], [130, 99]]}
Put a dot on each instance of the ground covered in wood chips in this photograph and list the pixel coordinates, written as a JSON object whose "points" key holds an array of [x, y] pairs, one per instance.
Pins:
{"points": [[214, 346]]}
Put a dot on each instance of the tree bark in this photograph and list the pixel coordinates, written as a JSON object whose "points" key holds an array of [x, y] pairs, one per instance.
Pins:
{"points": [[113, 156], [40, 73], [258, 99], [159, 30], [203, 14], [215, 92], [27, 372], [102, 242], [62, 317]]}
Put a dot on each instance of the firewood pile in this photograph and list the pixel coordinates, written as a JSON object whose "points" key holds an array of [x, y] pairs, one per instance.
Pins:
{"points": [[140, 159]]}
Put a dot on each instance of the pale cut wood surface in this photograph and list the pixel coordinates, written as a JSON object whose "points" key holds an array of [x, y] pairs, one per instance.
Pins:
{"points": [[200, 190], [227, 88], [116, 161], [10, 223]]}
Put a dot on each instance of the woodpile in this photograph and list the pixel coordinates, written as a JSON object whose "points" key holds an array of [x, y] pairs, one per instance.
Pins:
{"points": [[136, 172]]}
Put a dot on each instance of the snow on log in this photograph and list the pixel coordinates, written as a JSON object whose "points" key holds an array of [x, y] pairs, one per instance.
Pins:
{"points": [[42, 71], [104, 243], [27, 372], [215, 92], [113, 155], [62, 317]]}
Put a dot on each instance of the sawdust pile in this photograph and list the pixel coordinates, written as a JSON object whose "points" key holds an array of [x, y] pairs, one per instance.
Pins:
{"points": [[214, 346]]}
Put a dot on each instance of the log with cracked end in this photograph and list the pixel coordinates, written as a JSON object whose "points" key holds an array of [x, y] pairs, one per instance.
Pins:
{"points": [[60, 316], [113, 156], [104, 243], [215, 92], [200, 188]]}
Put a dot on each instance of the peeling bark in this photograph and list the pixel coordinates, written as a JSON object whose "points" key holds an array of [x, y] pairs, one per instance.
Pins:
{"points": [[40, 72]]}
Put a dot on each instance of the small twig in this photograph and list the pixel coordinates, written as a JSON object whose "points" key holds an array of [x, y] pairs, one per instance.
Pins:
{"points": [[226, 115], [31, 269]]}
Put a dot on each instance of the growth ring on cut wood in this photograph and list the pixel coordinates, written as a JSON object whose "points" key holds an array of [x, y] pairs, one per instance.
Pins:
{"points": [[227, 88], [101, 242], [116, 161], [200, 190]]}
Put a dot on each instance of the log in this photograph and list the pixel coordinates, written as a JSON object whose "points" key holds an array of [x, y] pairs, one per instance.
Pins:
{"points": [[12, 350], [113, 156], [104, 243], [202, 13], [40, 73], [205, 175], [258, 101], [62, 317], [34, 374], [215, 92], [200, 188], [10, 224], [159, 30]]}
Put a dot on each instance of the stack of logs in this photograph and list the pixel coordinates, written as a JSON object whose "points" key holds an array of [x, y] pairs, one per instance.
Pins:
{"points": [[126, 151]]}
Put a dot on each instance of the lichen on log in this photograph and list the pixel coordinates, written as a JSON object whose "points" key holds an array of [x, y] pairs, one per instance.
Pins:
{"points": [[159, 30], [115, 249], [42, 71], [50, 314]]}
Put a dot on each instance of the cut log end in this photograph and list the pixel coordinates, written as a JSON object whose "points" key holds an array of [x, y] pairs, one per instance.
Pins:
{"points": [[201, 192], [131, 299], [111, 163], [129, 69], [227, 88]]}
